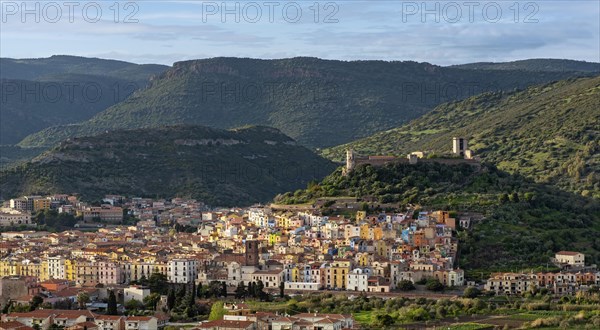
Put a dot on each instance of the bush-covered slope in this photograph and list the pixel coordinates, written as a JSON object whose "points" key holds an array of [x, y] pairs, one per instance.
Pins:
{"points": [[525, 222], [317, 102], [31, 106], [236, 167], [550, 133], [46, 68], [535, 65], [39, 93]]}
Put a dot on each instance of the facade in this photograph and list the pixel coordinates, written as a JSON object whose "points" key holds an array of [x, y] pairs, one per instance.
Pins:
{"points": [[56, 268], [570, 258], [135, 292], [358, 280], [182, 270], [106, 213], [14, 217], [270, 278], [558, 283], [302, 286]]}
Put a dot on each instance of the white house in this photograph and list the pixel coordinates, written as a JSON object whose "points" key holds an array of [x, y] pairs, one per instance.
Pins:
{"points": [[570, 258], [182, 270], [135, 292], [357, 279]]}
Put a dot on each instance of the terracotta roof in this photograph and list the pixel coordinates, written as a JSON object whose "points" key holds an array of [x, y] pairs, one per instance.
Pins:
{"points": [[568, 253], [139, 318], [226, 324], [14, 325], [108, 317], [58, 313]]}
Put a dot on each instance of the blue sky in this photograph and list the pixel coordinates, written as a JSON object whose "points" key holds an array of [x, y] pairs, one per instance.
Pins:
{"points": [[439, 32]]}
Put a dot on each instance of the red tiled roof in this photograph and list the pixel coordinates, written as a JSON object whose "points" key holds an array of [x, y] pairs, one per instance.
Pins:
{"points": [[226, 324], [14, 325], [568, 253], [139, 318]]}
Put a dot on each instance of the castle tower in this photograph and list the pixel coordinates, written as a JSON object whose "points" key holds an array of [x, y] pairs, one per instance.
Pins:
{"points": [[251, 253], [350, 160], [459, 146]]}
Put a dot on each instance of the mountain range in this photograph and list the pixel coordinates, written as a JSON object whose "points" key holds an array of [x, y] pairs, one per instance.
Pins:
{"points": [[319, 103], [59, 90], [235, 167]]}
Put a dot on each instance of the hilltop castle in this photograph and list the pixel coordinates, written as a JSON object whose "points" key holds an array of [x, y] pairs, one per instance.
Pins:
{"points": [[459, 148]]}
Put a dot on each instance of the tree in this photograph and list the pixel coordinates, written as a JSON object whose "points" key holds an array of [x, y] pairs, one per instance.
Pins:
{"points": [[434, 285], [190, 309], [514, 197], [158, 283], [281, 289], [133, 304], [384, 320], [258, 290], [223, 289], [111, 308], [181, 292], [216, 311], [251, 289], [7, 307], [214, 289], [406, 285], [200, 291], [240, 291], [151, 301], [503, 199], [171, 299], [471, 292], [35, 302], [82, 299]]}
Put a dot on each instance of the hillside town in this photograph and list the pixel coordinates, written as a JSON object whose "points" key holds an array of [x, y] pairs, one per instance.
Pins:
{"points": [[288, 250]]}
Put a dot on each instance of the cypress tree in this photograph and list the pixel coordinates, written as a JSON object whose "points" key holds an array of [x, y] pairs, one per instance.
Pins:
{"points": [[111, 308]]}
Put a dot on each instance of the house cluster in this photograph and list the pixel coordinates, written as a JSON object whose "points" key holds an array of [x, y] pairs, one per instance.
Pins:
{"points": [[18, 211], [573, 277], [302, 249], [79, 320], [240, 317], [307, 251]]}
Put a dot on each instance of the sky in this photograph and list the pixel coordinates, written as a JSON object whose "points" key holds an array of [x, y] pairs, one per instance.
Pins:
{"points": [[439, 32]]}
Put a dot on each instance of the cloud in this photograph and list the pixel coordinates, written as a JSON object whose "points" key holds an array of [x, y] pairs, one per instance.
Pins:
{"points": [[173, 31]]}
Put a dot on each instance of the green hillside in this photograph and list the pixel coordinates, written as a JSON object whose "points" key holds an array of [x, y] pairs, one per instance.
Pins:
{"points": [[525, 222], [317, 102], [31, 106], [45, 68], [236, 167], [535, 65], [59, 90], [549, 133]]}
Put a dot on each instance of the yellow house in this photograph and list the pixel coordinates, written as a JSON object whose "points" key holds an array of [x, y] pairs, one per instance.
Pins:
{"points": [[377, 233], [363, 259], [71, 269], [382, 248], [338, 272], [364, 231], [41, 204], [9, 268], [361, 215], [44, 272], [283, 221], [274, 238], [296, 274], [34, 268]]}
